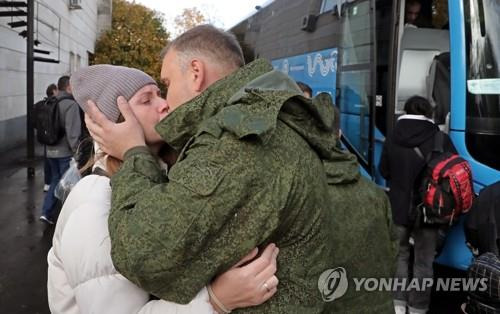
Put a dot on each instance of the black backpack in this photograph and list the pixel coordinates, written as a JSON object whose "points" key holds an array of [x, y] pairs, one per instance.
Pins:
{"points": [[48, 120], [36, 106]]}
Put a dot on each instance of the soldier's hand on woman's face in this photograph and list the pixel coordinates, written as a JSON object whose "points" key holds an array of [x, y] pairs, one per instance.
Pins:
{"points": [[114, 139]]}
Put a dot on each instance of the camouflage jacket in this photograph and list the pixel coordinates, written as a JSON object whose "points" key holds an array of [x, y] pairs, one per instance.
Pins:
{"points": [[249, 173], [364, 239]]}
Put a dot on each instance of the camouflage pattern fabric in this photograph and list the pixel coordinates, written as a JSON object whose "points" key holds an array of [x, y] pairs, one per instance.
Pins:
{"points": [[364, 238], [364, 244], [249, 173]]}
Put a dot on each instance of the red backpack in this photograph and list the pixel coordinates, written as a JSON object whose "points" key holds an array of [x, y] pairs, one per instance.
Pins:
{"points": [[446, 190]]}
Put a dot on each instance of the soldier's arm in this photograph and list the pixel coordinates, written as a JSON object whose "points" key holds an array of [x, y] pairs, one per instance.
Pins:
{"points": [[173, 238]]}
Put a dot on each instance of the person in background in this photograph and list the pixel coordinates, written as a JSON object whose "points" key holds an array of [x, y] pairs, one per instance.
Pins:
{"points": [[307, 92], [402, 167], [482, 224], [306, 89], [51, 91], [482, 235], [412, 12], [59, 155], [365, 241]]}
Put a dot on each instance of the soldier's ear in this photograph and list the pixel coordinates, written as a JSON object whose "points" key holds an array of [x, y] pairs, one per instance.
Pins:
{"points": [[198, 73]]}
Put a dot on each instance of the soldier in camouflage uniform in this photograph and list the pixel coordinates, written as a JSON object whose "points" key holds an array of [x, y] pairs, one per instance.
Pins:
{"points": [[249, 173], [364, 239]]}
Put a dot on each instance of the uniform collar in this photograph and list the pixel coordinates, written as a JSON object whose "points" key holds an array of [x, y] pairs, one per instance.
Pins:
{"points": [[183, 123]]}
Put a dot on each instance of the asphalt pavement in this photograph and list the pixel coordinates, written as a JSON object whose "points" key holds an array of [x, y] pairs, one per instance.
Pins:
{"points": [[24, 240]]}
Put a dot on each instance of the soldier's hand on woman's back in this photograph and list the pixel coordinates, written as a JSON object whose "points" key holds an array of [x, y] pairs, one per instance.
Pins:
{"points": [[251, 284]]}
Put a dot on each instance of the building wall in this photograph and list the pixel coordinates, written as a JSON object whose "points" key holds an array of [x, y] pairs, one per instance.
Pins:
{"points": [[275, 30], [78, 28]]}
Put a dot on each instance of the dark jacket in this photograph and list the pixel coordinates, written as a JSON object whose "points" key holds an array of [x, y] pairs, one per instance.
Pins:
{"points": [[71, 123], [482, 225], [401, 166]]}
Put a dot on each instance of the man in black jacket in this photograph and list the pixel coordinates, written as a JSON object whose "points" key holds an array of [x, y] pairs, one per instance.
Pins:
{"points": [[402, 167], [482, 225], [51, 91], [60, 153]]}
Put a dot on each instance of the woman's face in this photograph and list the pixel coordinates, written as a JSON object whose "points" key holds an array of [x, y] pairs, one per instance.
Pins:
{"points": [[149, 107]]}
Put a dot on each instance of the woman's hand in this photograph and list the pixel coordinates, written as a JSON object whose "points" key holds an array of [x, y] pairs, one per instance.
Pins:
{"points": [[249, 285]]}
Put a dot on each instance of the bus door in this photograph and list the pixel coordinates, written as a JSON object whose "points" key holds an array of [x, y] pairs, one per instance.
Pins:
{"points": [[363, 79], [452, 40], [356, 79]]}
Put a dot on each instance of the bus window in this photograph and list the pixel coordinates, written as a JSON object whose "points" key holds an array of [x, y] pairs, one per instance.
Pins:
{"points": [[483, 80], [355, 73]]}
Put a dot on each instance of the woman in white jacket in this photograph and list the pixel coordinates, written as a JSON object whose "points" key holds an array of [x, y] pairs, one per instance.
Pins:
{"points": [[81, 275]]}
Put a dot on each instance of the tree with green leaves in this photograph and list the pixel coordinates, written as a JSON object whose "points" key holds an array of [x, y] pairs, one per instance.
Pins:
{"points": [[135, 40]]}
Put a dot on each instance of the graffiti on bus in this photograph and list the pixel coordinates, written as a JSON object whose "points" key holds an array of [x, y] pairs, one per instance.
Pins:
{"points": [[317, 69]]}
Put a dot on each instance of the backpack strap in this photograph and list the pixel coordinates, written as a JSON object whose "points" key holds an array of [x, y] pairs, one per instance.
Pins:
{"points": [[437, 147], [58, 100], [419, 153]]}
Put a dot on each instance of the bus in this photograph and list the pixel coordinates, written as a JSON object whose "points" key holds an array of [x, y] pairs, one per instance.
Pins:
{"points": [[371, 59]]}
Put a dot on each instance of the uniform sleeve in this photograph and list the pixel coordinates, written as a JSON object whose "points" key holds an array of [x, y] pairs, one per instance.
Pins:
{"points": [[393, 235], [173, 238], [72, 126]]}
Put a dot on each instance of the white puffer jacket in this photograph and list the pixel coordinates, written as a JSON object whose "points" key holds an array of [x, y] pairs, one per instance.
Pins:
{"points": [[81, 275]]}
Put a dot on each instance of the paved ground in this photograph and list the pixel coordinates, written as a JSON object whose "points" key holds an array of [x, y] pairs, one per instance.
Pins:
{"points": [[25, 242]]}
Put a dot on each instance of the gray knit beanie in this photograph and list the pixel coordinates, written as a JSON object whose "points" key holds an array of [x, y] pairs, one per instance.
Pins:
{"points": [[103, 83]]}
